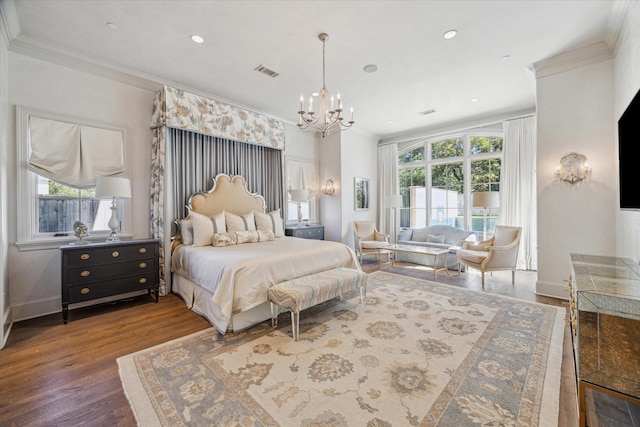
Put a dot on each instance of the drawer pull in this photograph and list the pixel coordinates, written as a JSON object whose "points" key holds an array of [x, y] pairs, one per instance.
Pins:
{"points": [[85, 256], [142, 265], [142, 250], [142, 280], [115, 254], [85, 273], [84, 291]]}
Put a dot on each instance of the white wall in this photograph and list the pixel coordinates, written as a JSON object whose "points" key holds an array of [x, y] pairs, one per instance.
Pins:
{"points": [[359, 153], [575, 114], [5, 308], [34, 276], [627, 84]]}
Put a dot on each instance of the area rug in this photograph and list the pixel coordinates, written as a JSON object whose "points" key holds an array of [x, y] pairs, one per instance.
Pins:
{"points": [[419, 354]]}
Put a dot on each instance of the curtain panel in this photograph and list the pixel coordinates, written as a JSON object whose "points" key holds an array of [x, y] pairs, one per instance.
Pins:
{"points": [[178, 109], [388, 187], [518, 186]]}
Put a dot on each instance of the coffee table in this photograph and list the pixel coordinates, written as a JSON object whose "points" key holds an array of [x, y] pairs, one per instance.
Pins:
{"points": [[432, 252]]}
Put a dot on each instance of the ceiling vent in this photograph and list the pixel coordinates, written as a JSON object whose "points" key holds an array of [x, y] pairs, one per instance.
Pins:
{"points": [[427, 112], [264, 70]]}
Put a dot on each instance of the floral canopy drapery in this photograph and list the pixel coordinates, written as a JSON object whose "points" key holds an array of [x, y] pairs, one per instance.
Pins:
{"points": [[175, 108]]}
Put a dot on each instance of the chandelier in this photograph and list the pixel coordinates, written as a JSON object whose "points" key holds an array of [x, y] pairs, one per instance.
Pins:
{"points": [[330, 111]]}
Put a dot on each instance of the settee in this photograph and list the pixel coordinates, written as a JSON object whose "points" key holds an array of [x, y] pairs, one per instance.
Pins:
{"points": [[435, 236]]}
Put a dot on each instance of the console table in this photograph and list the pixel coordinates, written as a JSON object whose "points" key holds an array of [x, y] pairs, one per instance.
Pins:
{"points": [[605, 326]]}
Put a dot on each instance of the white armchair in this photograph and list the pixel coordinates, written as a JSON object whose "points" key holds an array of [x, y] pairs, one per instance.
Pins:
{"points": [[368, 239], [498, 253]]}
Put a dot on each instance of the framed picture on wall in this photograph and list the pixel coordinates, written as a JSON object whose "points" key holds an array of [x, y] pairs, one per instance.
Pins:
{"points": [[361, 195]]}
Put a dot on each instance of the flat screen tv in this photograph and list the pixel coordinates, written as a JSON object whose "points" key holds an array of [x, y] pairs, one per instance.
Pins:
{"points": [[628, 142]]}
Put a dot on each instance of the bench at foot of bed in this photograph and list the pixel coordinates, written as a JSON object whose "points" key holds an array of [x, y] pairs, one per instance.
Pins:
{"points": [[304, 292]]}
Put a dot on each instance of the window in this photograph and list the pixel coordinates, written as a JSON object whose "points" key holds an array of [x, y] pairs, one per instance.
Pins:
{"points": [[455, 166], [58, 184]]}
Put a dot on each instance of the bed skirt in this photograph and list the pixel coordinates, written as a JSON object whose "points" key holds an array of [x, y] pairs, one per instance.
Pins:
{"points": [[200, 300]]}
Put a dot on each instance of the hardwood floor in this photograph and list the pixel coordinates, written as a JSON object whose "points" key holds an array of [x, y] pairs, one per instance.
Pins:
{"points": [[53, 374]]}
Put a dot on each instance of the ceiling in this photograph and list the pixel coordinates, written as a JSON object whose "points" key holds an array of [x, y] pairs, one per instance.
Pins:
{"points": [[418, 69]]}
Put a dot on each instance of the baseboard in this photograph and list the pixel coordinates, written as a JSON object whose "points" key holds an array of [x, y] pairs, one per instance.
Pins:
{"points": [[44, 307], [7, 323], [552, 289]]}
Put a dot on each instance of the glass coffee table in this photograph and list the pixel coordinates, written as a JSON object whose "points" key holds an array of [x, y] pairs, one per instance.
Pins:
{"points": [[429, 252]]}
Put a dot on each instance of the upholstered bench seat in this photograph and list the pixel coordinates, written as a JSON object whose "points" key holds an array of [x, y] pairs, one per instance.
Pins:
{"points": [[298, 294]]}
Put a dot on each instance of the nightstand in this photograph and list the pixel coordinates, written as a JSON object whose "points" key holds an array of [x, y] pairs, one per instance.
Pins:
{"points": [[306, 232], [97, 270]]}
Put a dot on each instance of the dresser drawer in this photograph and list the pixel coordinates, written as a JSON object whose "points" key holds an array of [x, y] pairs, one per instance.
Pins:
{"points": [[122, 285], [96, 272], [93, 256]]}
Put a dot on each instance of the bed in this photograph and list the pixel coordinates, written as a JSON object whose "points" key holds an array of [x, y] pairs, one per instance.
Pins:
{"points": [[227, 282]]}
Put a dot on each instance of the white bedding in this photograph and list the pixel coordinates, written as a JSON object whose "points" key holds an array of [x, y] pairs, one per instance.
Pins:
{"points": [[238, 276]]}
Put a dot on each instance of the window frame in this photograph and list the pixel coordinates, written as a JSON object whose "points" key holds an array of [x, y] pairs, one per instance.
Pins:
{"points": [[27, 235], [467, 158]]}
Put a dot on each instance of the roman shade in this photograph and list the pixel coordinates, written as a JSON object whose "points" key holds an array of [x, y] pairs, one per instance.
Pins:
{"points": [[74, 154]]}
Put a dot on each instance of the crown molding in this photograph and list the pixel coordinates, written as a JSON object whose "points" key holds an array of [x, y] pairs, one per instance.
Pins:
{"points": [[27, 46], [9, 23], [567, 61], [618, 22]]}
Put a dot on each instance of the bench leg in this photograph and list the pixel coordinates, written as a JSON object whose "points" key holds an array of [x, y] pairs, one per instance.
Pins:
{"points": [[295, 324], [274, 314], [363, 295]]}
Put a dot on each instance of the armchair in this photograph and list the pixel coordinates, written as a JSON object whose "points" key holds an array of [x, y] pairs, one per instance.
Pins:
{"points": [[498, 253], [368, 239]]}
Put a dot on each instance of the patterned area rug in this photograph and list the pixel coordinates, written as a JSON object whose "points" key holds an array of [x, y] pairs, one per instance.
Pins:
{"points": [[419, 354]]}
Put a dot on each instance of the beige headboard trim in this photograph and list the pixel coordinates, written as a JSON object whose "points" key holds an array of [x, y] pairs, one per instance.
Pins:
{"points": [[227, 194]]}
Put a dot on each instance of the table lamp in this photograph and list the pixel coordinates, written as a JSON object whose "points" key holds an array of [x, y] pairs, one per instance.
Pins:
{"points": [[113, 188], [299, 196]]}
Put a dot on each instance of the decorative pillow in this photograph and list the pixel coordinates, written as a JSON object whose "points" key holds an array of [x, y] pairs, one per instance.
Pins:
{"points": [[244, 222], [265, 235], [219, 225], [186, 232], [249, 236], [224, 239], [202, 229], [270, 221], [438, 238]]}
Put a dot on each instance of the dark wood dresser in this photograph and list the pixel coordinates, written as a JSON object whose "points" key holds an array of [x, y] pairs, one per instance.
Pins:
{"points": [[97, 270], [306, 232]]}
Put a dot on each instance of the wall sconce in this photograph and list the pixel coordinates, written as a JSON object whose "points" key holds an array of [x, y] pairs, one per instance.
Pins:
{"points": [[573, 168], [328, 188]]}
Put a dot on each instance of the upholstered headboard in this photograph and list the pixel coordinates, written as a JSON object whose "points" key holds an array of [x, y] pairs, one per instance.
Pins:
{"points": [[227, 194]]}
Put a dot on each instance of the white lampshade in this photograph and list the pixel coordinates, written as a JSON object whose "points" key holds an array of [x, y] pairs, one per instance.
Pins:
{"points": [[299, 196], [393, 201], [486, 199], [108, 187]]}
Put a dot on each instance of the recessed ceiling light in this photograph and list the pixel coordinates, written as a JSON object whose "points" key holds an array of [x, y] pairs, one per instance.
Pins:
{"points": [[475, 100], [197, 39], [371, 68], [315, 94], [112, 25], [390, 121], [450, 34]]}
